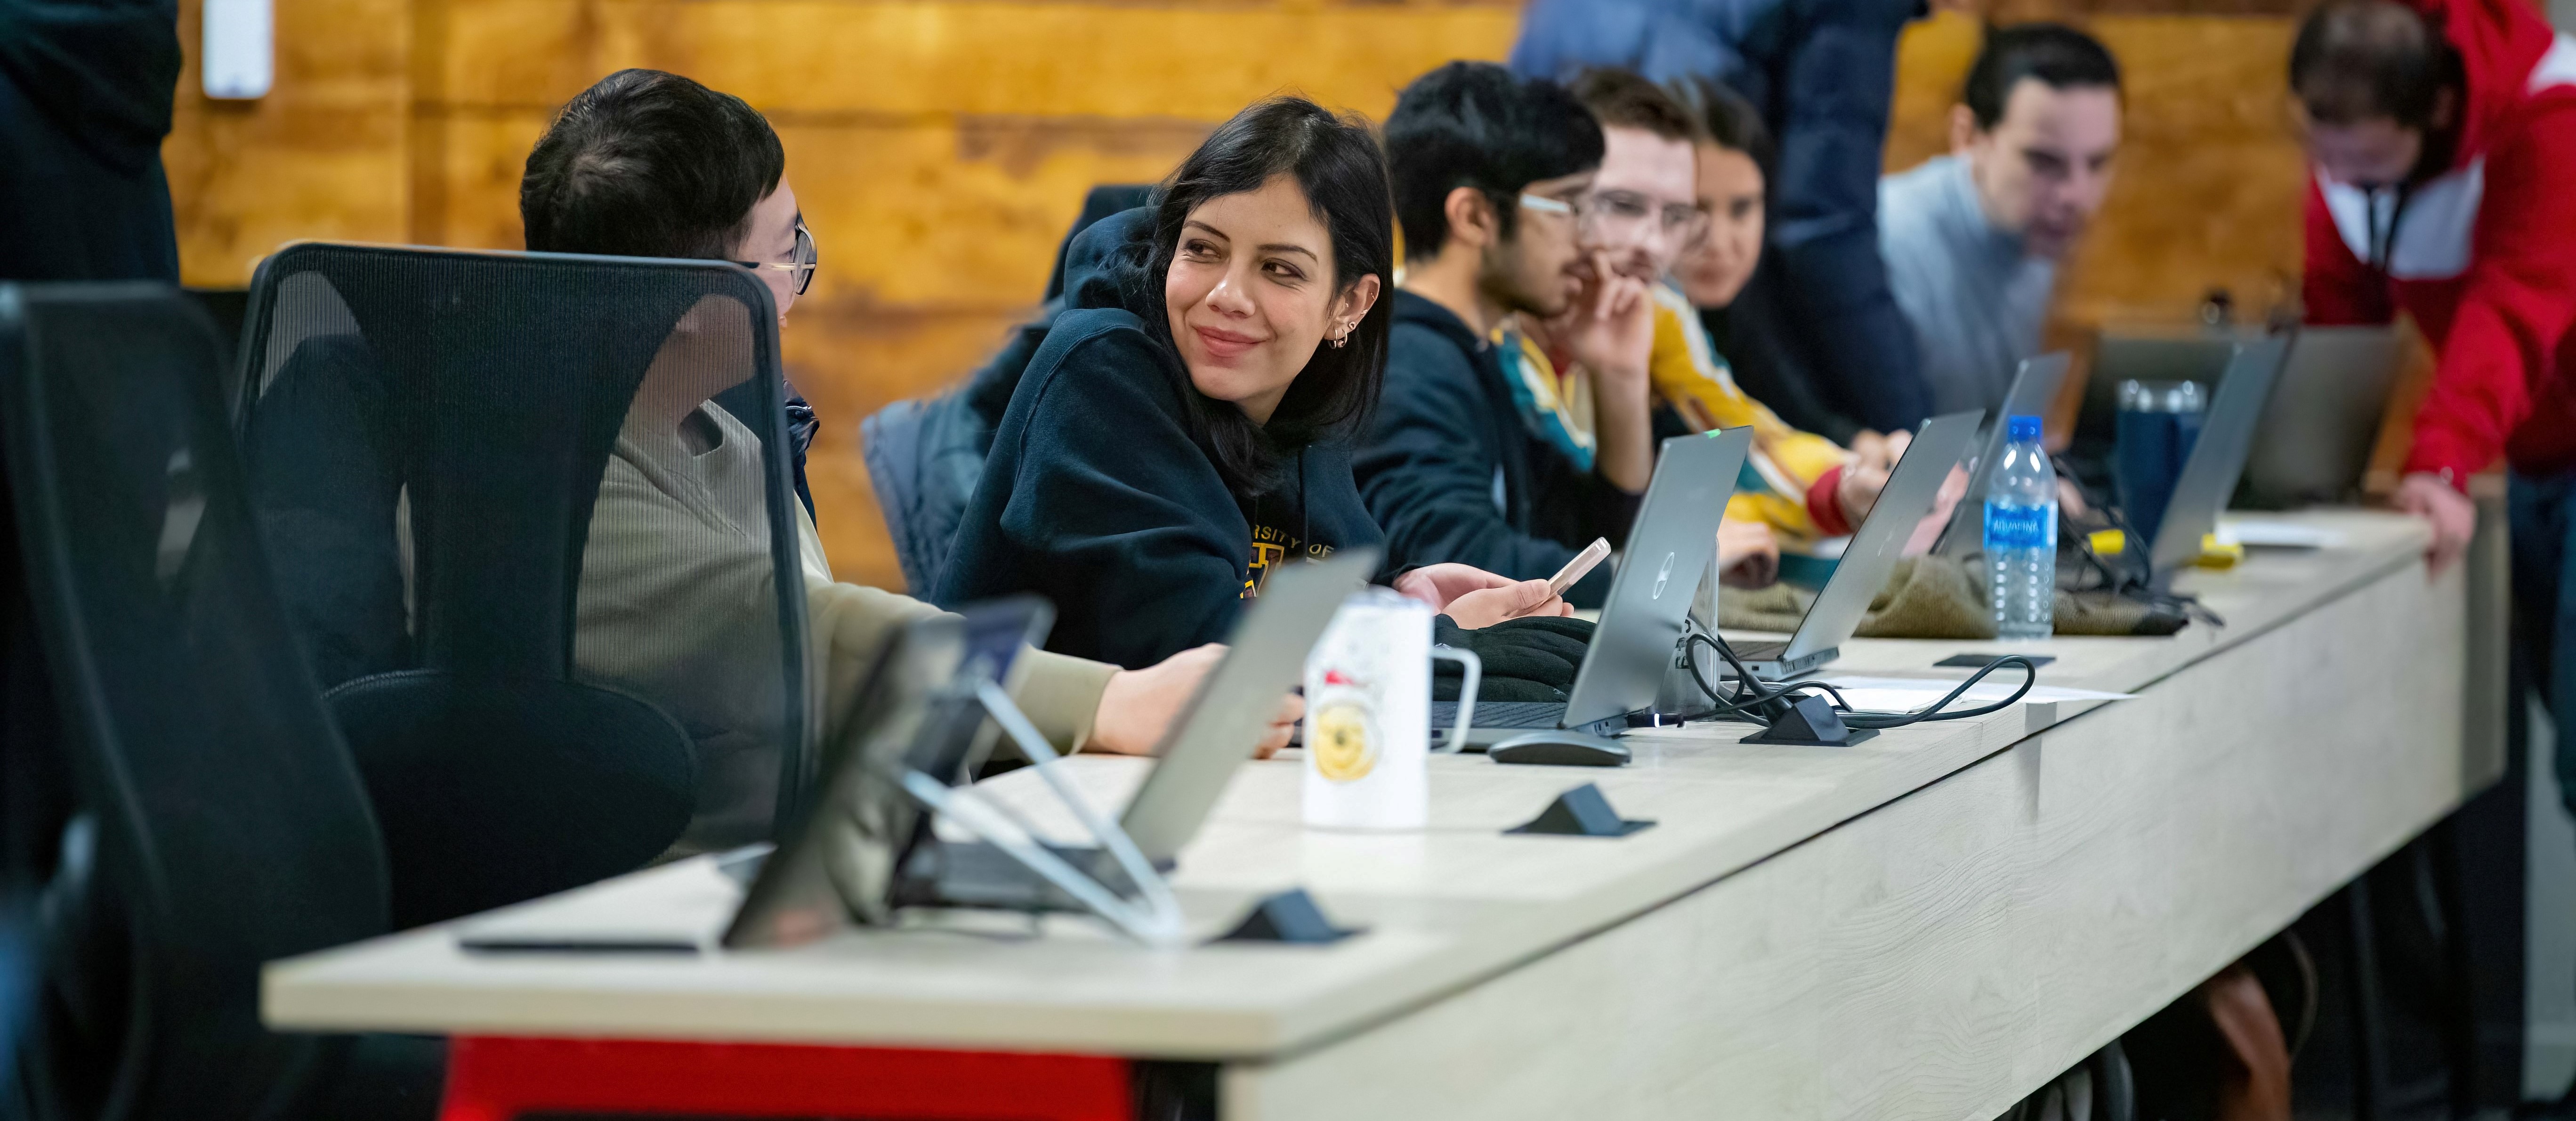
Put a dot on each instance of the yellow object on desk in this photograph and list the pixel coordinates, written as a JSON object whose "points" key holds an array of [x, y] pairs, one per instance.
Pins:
{"points": [[2213, 553]]}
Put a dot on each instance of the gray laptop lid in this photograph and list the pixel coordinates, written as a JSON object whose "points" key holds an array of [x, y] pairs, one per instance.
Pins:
{"points": [[1264, 658], [1672, 543], [1880, 541], [2034, 389], [2218, 456], [2315, 438]]}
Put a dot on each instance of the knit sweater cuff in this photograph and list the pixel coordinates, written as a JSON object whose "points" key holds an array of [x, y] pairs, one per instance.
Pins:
{"points": [[1061, 695], [1825, 506]]}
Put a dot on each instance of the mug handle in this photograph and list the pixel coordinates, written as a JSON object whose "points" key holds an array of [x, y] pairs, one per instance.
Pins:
{"points": [[1474, 667]]}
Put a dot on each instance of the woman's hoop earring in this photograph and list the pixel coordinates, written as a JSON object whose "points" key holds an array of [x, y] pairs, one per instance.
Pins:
{"points": [[1343, 337]]}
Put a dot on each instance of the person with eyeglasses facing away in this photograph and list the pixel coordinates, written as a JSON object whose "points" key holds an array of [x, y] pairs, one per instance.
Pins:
{"points": [[652, 164]]}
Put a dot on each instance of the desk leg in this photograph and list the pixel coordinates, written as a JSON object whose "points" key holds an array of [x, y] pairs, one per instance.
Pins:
{"points": [[2370, 1080], [498, 1078]]}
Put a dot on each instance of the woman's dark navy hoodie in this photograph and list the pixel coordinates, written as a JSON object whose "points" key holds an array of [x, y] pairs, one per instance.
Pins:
{"points": [[1100, 494]]}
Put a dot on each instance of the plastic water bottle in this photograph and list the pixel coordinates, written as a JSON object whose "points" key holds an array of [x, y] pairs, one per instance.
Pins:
{"points": [[2021, 535]]}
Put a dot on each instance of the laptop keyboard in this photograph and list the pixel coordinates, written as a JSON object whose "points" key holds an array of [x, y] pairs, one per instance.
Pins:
{"points": [[1499, 714], [1759, 651]]}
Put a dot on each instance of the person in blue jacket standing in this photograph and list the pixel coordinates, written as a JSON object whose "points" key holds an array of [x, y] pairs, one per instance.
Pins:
{"points": [[1817, 334]]}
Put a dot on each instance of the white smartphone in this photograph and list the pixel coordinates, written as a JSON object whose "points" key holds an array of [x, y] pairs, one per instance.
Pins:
{"points": [[1583, 562]]}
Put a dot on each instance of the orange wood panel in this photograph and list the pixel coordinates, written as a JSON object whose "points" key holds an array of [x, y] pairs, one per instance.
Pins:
{"points": [[938, 57], [1931, 61], [320, 157], [2210, 176]]}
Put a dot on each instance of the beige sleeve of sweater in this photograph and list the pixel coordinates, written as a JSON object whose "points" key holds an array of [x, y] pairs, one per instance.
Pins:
{"points": [[851, 624]]}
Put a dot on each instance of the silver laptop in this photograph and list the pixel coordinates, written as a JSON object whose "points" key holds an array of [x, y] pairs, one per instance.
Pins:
{"points": [[1671, 544], [796, 898], [2315, 438], [1265, 657], [1873, 552], [2034, 389], [2217, 457]]}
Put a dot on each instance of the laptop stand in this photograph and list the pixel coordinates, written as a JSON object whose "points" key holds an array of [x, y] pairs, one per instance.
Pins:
{"points": [[1012, 869]]}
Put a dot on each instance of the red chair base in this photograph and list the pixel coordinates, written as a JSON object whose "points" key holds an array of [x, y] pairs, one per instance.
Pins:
{"points": [[500, 1078]]}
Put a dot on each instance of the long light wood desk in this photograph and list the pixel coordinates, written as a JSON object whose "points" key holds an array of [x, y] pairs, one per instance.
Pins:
{"points": [[1927, 925]]}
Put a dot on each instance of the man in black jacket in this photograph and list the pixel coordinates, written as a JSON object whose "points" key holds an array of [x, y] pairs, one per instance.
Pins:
{"points": [[1460, 465], [85, 92]]}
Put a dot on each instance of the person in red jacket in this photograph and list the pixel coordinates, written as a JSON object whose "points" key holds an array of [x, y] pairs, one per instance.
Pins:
{"points": [[2443, 137]]}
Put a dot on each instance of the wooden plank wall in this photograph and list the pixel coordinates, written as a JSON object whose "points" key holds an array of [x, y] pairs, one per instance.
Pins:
{"points": [[940, 147]]}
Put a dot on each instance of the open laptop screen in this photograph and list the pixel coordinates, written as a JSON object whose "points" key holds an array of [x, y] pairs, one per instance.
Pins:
{"points": [[1879, 542]]}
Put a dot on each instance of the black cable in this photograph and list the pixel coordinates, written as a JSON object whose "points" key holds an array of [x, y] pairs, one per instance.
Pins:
{"points": [[1750, 702], [2133, 578], [1885, 720]]}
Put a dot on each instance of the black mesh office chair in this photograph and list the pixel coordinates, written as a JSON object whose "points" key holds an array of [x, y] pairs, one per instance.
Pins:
{"points": [[173, 785], [538, 697]]}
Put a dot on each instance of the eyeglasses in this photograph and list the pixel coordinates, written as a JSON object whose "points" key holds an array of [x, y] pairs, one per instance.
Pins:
{"points": [[803, 266], [1626, 217], [1546, 205]]}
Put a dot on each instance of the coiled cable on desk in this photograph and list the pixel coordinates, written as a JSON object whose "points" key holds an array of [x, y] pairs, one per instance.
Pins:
{"points": [[1753, 702]]}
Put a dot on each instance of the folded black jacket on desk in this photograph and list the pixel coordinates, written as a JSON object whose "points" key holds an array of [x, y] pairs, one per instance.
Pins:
{"points": [[1100, 494]]}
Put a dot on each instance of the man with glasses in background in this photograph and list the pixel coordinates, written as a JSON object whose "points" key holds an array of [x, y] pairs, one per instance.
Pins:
{"points": [[1533, 345], [1478, 455]]}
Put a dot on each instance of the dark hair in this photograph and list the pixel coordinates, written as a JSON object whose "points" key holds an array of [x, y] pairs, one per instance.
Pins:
{"points": [[1621, 99], [1476, 124], [1337, 164], [2356, 60], [1726, 118], [648, 164], [2052, 54]]}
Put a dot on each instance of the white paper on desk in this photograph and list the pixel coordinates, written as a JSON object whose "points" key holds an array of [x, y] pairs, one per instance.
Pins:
{"points": [[2269, 533], [1905, 694]]}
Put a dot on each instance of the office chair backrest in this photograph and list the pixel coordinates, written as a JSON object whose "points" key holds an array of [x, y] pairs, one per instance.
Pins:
{"points": [[553, 635], [178, 782]]}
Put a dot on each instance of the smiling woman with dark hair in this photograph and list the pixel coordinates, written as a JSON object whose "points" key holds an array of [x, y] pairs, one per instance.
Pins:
{"points": [[1183, 428]]}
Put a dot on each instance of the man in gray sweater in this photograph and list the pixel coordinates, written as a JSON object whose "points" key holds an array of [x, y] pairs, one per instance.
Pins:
{"points": [[1972, 239], [676, 570]]}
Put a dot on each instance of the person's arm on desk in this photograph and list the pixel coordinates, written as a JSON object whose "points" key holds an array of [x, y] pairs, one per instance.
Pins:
{"points": [[1078, 704]]}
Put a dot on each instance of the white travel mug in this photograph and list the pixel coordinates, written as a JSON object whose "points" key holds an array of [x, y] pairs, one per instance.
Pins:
{"points": [[1368, 714]]}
